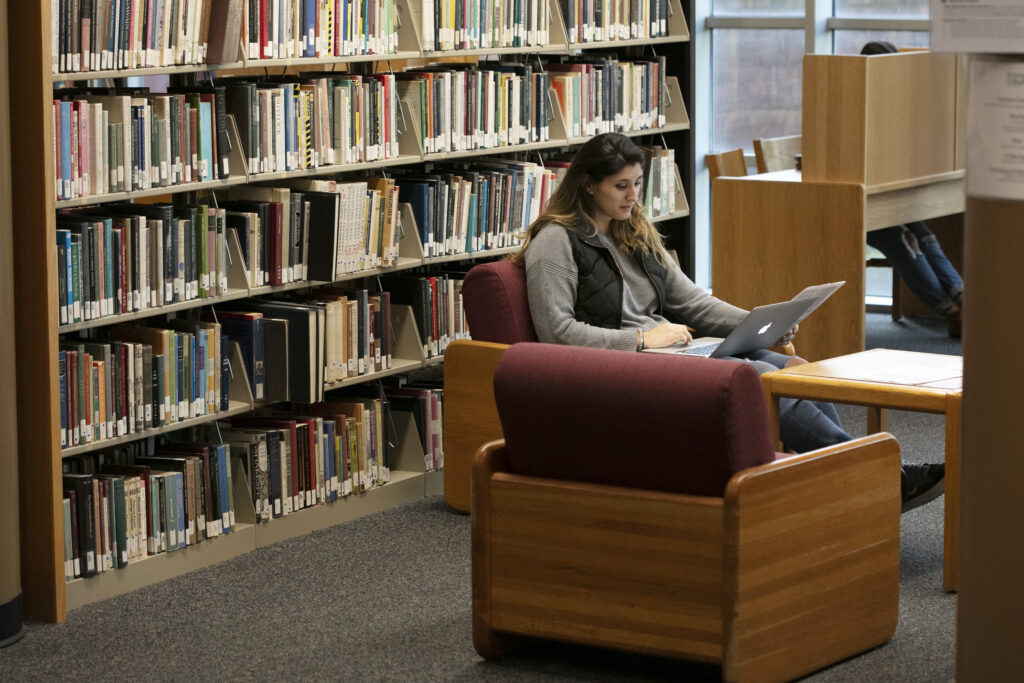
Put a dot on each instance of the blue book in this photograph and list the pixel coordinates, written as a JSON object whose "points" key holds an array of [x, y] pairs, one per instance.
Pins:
{"points": [[291, 136], [65, 149], [330, 470], [471, 224], [417, 195], [310, 29], [197, 363], [67, 296], [206, 140]]}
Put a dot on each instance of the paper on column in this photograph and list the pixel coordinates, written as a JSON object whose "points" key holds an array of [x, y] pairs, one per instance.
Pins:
{"points": [[995, 127], [973, 26]]}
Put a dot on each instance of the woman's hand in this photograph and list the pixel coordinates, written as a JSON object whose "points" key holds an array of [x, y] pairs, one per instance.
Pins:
{"points": [[788, 337], [666, 334]]}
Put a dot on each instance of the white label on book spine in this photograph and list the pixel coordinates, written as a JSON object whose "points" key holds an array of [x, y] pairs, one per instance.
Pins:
{"points": [[90, 561], [225, 521]]}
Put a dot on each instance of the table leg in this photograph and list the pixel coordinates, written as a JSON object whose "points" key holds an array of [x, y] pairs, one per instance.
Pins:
{"points": [[951, 536], [878, 419], [772, 402]]}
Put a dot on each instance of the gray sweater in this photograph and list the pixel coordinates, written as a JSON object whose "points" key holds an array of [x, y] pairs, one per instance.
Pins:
{"points": [[551, 279]]}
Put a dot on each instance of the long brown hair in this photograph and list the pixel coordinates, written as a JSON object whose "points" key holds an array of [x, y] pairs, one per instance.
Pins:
{"points": [[573, 207]]}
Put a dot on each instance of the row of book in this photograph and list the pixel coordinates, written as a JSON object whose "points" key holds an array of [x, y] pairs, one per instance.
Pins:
{"points": [[607, 95], [150, 497], [122, 258], [289, 124], [99, 35], [294, 348], [111, 140], [460, 107], [660, 180], [94, 35], [469, 207], [143, 499], [136, 378], [482, 24], [288, 29], [436, 301], [599, 20]]}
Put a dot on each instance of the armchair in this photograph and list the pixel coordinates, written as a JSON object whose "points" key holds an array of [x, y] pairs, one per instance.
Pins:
{"points": [[636, 503], [498, 313]]}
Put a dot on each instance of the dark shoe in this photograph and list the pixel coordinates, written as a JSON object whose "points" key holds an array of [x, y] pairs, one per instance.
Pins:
{"points": [[920, 484]]}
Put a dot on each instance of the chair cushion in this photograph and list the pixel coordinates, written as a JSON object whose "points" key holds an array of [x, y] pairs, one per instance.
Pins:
{"points": [[649, 421], [497, 310]]}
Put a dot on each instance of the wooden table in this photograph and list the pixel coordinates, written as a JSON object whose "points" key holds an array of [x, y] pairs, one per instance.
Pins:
{"points": [[774, 234], [881, 379]]}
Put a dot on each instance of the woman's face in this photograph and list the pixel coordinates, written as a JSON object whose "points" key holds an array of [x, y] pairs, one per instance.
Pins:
{"points": [[615, 196]]}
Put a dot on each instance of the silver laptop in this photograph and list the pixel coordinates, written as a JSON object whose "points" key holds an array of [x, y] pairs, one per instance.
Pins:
{"points": [[762, 327]]}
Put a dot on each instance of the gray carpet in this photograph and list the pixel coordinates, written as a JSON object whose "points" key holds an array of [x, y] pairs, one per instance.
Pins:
{"points": [[387, 597]]}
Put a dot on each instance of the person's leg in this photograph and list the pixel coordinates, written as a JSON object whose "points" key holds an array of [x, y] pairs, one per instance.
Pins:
{"points": [[912, 266], [803, 425], [944, 270], [809, 425]]}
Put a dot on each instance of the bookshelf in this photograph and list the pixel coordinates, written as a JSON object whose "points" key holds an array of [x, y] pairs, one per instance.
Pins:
{"points": [[47, 595]]}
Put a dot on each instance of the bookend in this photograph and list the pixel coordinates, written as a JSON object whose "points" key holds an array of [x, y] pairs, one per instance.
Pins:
{"points": [[239, 391], [409, 455], [245, 511]]}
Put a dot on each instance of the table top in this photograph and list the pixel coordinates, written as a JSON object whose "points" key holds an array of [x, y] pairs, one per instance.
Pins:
{"points": [[906, 369]]}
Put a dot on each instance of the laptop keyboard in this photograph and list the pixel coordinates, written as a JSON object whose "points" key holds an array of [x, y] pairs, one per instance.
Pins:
{"points": [[705, 350]]}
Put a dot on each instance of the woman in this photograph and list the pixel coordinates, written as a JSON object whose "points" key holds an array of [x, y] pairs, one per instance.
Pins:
{"points": [[598, 275]]}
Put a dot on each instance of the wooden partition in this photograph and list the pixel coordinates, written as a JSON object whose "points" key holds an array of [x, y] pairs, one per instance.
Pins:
{"points": [[880, 119]]}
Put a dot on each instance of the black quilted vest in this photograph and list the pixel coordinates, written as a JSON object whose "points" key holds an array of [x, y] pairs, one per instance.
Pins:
{"points": [[599, 291]]}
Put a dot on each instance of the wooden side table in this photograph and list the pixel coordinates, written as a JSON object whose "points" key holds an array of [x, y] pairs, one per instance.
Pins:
{"points": [[881, 379]]}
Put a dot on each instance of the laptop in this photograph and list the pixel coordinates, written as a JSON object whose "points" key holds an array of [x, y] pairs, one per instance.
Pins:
{"points": [[762, 327]]}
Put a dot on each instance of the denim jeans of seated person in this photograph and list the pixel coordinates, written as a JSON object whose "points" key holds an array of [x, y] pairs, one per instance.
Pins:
{"points": [[917, 257], [803, 425]]}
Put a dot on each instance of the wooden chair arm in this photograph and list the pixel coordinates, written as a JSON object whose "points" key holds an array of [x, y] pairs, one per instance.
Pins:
{"points": [[812, 546], [470, 414]]}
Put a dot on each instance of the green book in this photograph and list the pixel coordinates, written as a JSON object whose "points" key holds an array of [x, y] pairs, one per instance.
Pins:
{"points": [[69, 553], [76, 279], [169, 508], [202, 227]]}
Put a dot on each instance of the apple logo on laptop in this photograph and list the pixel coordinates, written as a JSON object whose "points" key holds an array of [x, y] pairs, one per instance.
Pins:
{"points": [[764, 329]]}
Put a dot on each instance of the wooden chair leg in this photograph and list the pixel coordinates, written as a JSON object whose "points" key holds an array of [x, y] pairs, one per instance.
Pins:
{"points": [[897, 310]]}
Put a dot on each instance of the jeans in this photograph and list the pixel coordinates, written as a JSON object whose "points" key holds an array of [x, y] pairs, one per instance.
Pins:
{"points": [[803, 425], [917, 257]]}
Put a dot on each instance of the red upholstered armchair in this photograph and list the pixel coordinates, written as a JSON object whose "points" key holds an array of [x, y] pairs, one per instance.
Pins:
{"points": [[498, 314], [636, 503]]}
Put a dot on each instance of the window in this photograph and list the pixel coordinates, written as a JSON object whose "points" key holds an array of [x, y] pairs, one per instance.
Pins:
{"points": [[756, 85]]}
